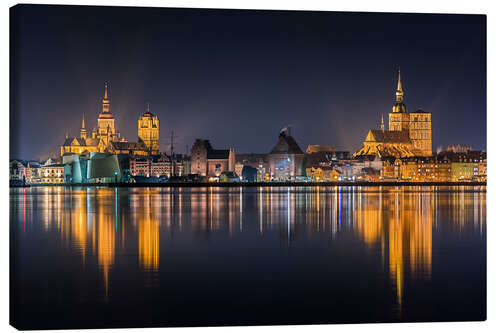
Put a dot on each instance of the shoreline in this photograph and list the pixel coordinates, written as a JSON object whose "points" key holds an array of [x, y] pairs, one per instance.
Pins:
{"points": [[261, 184]]}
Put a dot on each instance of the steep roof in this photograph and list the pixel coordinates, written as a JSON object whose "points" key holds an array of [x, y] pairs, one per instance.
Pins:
{"points": [[388, 136], [286, 145], [125, 145], [80, 141]]}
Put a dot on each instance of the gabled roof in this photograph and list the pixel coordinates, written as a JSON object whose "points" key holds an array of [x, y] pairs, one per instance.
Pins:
{"points": [[286, 145], [80, 141], [125, 145], [388, 136]]}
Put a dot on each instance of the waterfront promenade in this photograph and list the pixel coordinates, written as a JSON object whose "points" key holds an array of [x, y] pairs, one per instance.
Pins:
{"points": [[262, 184]]}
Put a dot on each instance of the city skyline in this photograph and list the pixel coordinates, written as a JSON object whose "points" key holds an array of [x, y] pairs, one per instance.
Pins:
{"points": [[329, 95]]}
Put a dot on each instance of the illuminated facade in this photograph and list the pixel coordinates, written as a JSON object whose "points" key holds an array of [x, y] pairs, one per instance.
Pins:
{"points": [[148, 131], [206, 161], [52, 174], [106, 139], [106, 122], [444, 167], [409, 134], [286, 159]]}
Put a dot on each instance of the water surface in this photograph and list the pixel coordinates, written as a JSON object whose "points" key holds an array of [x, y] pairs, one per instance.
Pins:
{"points": [[132, 257]]}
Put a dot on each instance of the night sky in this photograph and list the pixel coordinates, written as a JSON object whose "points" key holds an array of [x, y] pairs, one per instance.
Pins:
{"points": [[237, 77]]}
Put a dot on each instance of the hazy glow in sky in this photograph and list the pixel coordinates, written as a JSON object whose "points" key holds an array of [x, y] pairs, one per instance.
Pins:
{"points": [[238, 77]]}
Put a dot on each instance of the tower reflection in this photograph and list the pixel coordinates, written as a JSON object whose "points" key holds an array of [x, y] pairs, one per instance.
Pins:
{"points": [[395, 226]]}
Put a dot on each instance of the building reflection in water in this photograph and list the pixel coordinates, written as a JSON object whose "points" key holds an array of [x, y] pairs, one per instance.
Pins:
{"points": [[394, 224]]}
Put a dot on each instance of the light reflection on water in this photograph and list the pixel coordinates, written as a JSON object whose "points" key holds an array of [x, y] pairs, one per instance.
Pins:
{"points": [[394, 226]]}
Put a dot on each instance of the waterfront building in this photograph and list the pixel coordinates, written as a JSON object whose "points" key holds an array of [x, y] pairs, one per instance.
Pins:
{"points": [[444, 167], [159, 165], [206, 161], [390, 169], [32, 172], [17, 170], [416, 169], [369, 174], [360, 168], [323, 174], [238, 168], [466, 166], [409, 133], [52, 173], [253, 160], [482, 170], [140, 167], [286, 159], [107, 168], [249, 174], [229, 177], [95, 168]]}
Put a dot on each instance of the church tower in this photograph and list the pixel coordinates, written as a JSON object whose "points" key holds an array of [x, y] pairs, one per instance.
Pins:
{"points": [[399, 119], [83, 131], [421, 132], [148, 131], [106, 121]]}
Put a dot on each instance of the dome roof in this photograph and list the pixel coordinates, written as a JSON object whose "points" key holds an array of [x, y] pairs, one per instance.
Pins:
{"points": [[147, 114]]}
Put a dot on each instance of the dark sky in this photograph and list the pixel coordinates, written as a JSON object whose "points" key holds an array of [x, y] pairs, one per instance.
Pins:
{"points": [[237, 77]]}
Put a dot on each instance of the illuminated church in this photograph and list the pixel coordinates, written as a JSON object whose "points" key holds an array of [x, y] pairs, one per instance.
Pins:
{"points": [[106, 139], [409, 133]]}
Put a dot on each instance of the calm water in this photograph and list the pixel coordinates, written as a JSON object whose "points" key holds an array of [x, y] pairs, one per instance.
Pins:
{"points": [[101, 257]]}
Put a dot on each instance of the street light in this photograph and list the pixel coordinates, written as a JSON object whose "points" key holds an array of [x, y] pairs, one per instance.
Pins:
{"points": [[116, 176]]}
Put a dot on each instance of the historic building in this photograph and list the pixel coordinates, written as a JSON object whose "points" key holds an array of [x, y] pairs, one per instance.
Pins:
{"points": [[106, 122], [206, 161], [444, 167], [409, 133], [158, 166], [83, 144], [106, 138], [148, 131], [286, 159]]}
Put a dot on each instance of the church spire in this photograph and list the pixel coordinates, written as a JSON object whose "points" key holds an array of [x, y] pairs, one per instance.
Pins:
{"points": [[83, 131], [399, 90], [105, 100], [382, 126]]}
